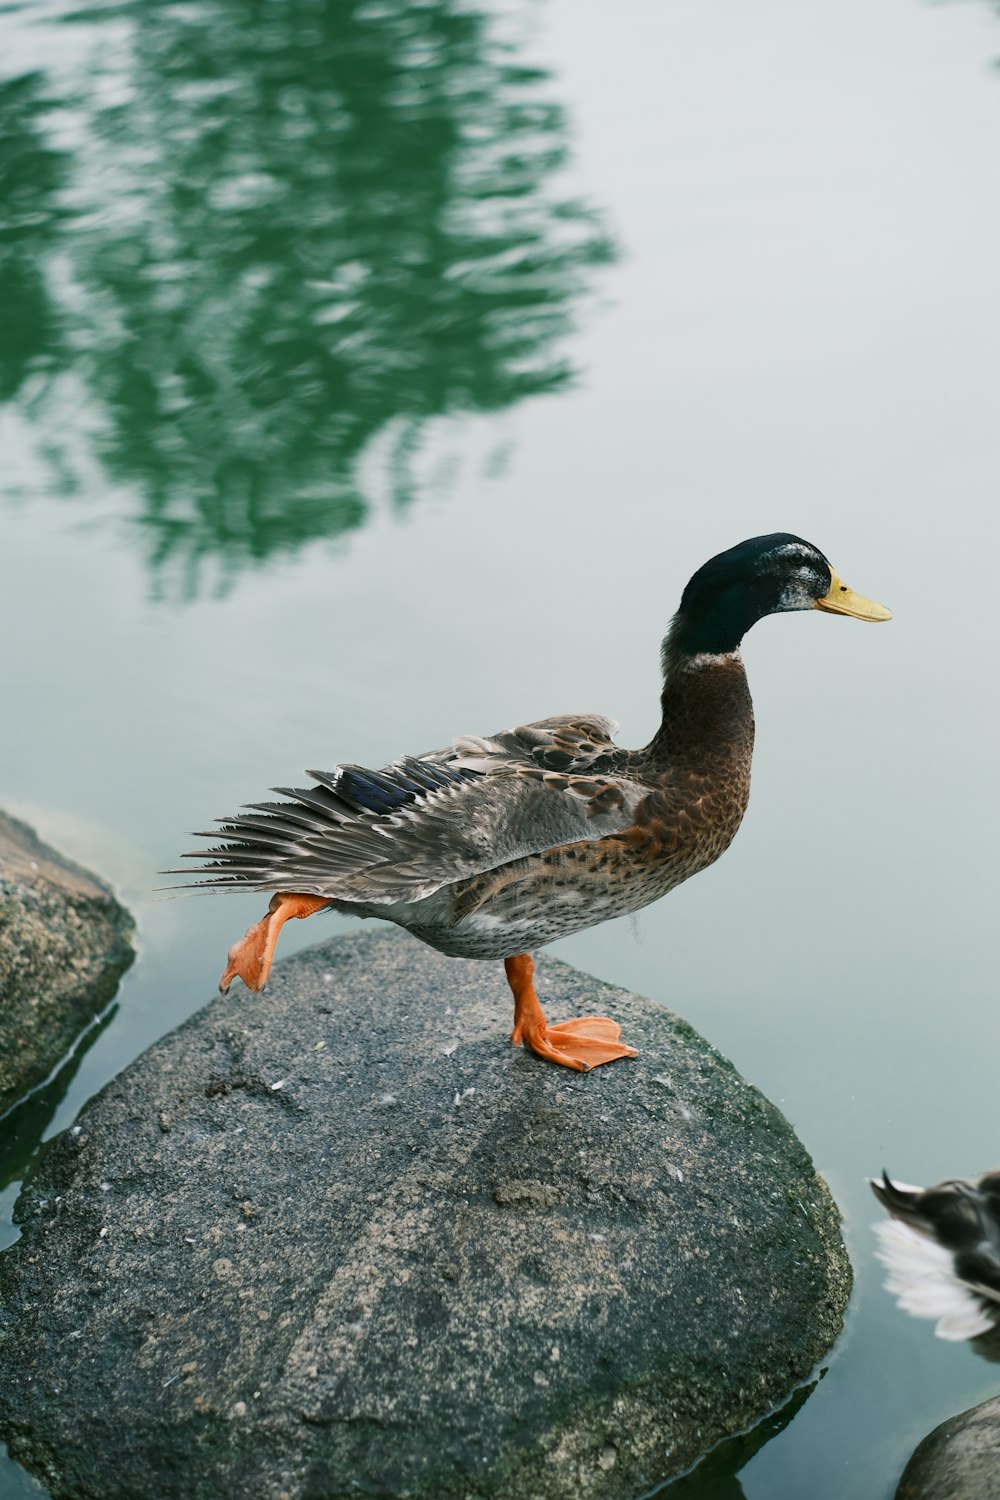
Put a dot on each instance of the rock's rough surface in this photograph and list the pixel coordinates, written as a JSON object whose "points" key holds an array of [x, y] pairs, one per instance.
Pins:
{"points": [[960, 1460], [64, 942], [342, 1239]]}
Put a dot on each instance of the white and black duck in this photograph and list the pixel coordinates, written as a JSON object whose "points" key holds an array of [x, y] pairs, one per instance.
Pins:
{"points": [[941, 1246]]}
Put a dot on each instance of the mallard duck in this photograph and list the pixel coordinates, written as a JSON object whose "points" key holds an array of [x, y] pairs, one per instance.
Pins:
{"points": [[942, 1250], [502, 843]]}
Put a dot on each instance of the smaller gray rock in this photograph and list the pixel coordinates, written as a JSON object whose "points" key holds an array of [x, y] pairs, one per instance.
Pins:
{"points": [[960, 1460], [64, 943]]}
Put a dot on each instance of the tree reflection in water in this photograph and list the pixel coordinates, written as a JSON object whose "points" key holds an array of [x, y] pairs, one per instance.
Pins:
{"points": [[293, 225], [31, 174]]}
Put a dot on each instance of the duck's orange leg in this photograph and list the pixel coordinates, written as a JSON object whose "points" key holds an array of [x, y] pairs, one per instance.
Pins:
{"points": [[584, 1043], [250, 958]]}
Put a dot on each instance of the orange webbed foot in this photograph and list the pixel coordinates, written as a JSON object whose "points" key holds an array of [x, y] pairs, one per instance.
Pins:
{"points": [[246, 958], [588, 1040], [584, 1043], [250, 958]]}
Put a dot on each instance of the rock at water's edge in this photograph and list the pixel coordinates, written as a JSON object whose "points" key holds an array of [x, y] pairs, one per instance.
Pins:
{"points": [[64, 944], [960, 1460], [343, 1239]]}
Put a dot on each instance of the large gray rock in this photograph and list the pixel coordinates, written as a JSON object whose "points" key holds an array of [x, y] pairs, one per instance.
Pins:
{"points": [[342, 1239], [64, 942], [960, 1460]]}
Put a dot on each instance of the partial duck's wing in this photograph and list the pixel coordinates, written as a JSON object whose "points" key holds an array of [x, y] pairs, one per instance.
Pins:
{"points": [[424, 822], [572, 743], [942, 1250]]}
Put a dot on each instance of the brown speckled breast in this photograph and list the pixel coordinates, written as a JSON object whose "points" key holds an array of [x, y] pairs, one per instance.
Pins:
{"points": [[698, 772]]}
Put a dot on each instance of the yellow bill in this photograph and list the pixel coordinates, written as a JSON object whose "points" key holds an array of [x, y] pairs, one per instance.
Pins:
{"points": [[844, 601]]}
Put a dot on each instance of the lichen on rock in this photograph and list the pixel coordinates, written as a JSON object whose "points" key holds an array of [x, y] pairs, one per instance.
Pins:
{"points": [[64, 943]]}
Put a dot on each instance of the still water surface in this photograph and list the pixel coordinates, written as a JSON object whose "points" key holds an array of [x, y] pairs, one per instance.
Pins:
{"points": [[372, 373]]}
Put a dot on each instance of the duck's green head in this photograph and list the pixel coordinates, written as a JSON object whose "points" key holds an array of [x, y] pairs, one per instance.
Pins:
{"points": [[765, 575]]}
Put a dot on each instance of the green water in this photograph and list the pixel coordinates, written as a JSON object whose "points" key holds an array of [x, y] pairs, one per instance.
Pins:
{"points": [[375, 373]]}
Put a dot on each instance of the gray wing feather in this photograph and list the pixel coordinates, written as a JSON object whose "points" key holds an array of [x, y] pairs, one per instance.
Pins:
{"points": [[573, 743], [424, 822]]}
